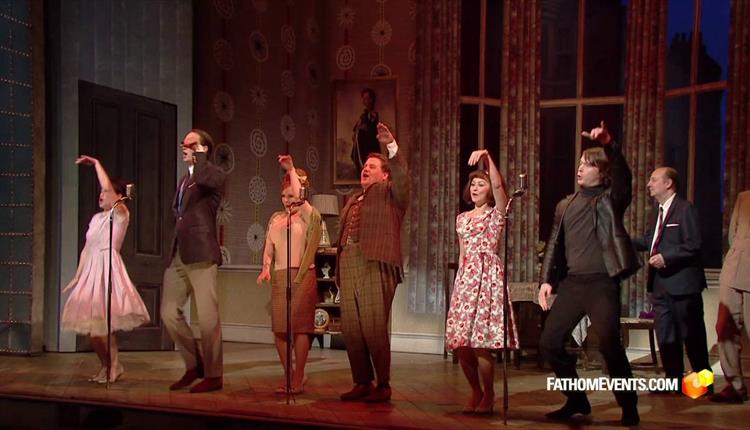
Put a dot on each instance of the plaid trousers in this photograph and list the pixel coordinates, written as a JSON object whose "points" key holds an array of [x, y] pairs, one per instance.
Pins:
{"points": [[367, 289]]}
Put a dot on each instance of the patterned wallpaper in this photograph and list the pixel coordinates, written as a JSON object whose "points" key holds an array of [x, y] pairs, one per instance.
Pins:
{"points": [[370, 39], [263, 72]]}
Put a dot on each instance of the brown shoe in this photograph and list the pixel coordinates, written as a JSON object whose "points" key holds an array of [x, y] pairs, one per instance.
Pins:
{"points": [[359, 391], [381, 394], [208, 384], [729, 395], [187, 379]]}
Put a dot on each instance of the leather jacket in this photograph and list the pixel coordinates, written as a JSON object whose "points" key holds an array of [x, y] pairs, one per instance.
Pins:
{"points": [[620, 257]]}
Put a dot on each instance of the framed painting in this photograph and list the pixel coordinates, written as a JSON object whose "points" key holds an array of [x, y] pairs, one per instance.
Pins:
{"points": [[358, 106]]}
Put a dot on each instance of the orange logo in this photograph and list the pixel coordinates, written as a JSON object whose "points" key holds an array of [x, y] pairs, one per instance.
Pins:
{"points": [[695, 384]]}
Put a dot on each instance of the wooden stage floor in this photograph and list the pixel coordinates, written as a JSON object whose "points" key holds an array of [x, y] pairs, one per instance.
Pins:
{"points": [[428, 393]]}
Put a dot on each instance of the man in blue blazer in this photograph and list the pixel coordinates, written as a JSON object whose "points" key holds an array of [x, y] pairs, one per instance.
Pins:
{"points": [[675, 275]]}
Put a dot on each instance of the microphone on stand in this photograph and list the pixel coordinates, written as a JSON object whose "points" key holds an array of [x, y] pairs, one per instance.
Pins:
{"points": [[130, 191], [521, 190], [129, 195], [304, 194]]}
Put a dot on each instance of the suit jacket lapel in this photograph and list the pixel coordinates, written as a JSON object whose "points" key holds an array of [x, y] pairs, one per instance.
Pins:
{"points": [[176, 202], [345, 212], [671, 210]]}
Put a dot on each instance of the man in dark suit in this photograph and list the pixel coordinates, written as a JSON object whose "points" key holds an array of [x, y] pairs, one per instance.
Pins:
{"points": [[675, 275], [194, 261], [370, 264]]}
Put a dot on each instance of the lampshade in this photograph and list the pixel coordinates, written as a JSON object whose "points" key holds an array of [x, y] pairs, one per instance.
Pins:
{"points": [[326, 204]]}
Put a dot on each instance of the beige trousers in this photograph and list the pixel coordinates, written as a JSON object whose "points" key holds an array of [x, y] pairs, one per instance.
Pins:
{"points": [[199, 279]]}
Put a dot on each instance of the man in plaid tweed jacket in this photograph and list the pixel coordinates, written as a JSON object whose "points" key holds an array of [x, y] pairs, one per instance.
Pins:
{"points": [[370, 265]]}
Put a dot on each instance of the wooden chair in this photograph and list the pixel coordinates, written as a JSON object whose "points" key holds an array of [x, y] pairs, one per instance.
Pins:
{"points": [[627, 324]]}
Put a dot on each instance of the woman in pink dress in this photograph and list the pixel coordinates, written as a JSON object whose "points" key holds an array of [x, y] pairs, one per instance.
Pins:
{"points": [[85, 310], [474, 327]]}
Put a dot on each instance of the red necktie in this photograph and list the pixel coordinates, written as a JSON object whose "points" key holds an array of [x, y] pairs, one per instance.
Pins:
{"points": [[658, 234]]}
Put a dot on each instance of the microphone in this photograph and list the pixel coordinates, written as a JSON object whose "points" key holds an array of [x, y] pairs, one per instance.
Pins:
{"points": [[129, 195], [521, 190], [304, 194]]}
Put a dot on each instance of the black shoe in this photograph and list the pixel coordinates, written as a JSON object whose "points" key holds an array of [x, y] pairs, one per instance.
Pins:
{"points": [[571, 407], [630, 417]]}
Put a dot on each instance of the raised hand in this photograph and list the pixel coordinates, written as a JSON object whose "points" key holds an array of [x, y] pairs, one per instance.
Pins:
{"points": [[87, 160], [286, 163], [477, 156], [600, 133], [384, 134]]}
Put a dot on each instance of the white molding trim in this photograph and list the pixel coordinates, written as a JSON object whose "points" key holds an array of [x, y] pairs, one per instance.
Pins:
{"points": [[257, 333], [245, 333], [241, 268], [420, 343]]}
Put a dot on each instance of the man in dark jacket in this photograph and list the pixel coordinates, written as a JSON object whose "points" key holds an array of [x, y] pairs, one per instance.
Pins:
{"points": [[194, 261], [675, 275], [588, 253]]}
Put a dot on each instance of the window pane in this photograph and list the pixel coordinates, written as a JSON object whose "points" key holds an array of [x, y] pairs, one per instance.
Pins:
{"points": [[709, 168], [470, 19], [676, 121], [493, 48], [557, 164], [679, 41], [469, 143], [594, 115], [492, 132], [604, 48], [713, 58], [559, 48]]}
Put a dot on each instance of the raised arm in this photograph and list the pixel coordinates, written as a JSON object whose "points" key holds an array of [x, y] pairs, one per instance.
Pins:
{"points": [[622, 177], [207, 175], [104, 182], [496, 178], [399, 178], [295, 182]]}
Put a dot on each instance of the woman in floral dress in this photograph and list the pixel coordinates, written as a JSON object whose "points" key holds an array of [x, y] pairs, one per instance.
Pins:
{"points": [[474, 327]]}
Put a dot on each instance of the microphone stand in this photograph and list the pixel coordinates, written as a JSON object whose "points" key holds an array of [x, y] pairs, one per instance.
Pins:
{"points": [[288, 363], [506, 299], [109, 289]]}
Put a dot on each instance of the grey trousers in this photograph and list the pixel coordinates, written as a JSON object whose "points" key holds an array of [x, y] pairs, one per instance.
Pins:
{"points": [[199, 279], [733, 317]]}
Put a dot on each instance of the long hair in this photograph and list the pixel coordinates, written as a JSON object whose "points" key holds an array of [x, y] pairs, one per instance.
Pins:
{"points": [[598, 158]]}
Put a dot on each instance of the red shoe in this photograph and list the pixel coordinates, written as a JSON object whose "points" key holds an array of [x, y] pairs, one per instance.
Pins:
{"points": [[208, 384], [187, 379], [729, 395], [381, 394], [360, 391]]}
